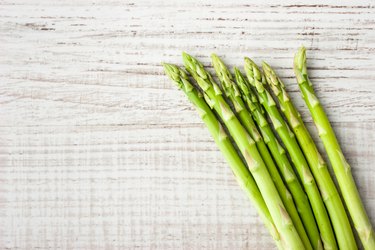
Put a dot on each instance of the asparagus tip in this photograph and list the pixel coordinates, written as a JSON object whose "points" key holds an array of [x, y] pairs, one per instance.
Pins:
{"points": [[267, 70], [300, 58], [219, 64], [214, 56], [266, 66], [238, 74], [300, 68], [270, 75], [186, 57], [247, 60], [169, 68], [252, 70], [216, 62], [189, 62], [174, 73]]}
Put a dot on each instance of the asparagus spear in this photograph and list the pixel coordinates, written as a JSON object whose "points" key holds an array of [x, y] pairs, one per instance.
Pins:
{"points": [[234, 95], [241, 173], [256, 79], [213, 96], [331, 198], [340, 166], [281, 159]]}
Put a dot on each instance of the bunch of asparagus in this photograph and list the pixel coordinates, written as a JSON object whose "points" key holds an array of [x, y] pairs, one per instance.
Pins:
{"points": [[250, 118]]}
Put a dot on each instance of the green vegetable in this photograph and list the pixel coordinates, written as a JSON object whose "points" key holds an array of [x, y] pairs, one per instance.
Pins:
{"points": [[339, 164], [213, 96], [234, 95], [279, 154], [331, 198], [257, 80], [241, 173]]}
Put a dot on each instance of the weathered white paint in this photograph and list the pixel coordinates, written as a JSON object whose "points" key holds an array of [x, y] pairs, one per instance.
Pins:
{"points": [[99, 150]]}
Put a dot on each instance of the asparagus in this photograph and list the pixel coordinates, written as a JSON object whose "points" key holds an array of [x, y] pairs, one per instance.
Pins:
{"points": [[288, 235], [281, 160], [234, 95], [241, 173], [256, 79], [331, 198], [340, 166]]}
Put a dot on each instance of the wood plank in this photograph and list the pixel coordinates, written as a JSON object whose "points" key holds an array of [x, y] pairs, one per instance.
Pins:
{"points": [[98, 149]]}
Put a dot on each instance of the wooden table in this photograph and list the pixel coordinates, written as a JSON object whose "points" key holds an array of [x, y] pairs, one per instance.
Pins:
{"points": [[99, 150]]}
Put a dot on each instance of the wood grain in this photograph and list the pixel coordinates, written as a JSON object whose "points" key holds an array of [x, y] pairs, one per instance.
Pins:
{"points": [[98, 149]]}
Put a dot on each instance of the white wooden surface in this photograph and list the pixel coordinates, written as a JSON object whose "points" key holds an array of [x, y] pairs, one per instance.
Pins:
{"points": [[98, 149]]}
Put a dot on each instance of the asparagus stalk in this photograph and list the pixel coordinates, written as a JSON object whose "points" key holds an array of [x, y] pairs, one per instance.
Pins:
{"points": [[281, 159], [241, 173], [234, 95], [256, 79], [288, 235], [339, 164], [331, 198]]}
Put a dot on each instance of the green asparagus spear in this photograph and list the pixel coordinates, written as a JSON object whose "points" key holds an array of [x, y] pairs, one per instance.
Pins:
{"points": [[331, 198], [213, 95], [241, 173], [257, 80], [281, 159], [234, 95], [339, 164]]}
